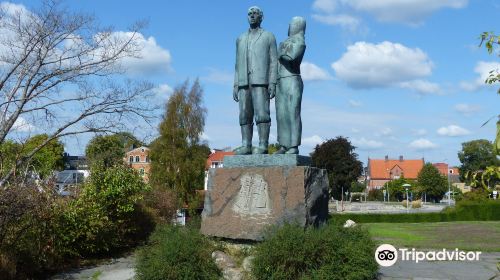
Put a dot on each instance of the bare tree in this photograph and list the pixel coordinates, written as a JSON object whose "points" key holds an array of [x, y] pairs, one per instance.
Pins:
{"points": [[60, 70]]}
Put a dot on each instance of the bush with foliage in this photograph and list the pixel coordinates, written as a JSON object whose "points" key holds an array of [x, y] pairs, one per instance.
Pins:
{"points": [[464, 211], [176, 252], [106, 215], [330, 252], [416, 204], [27, 230], [375, 195]]}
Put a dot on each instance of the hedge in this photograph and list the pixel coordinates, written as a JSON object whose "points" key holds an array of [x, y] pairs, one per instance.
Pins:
{"points": [[463, 211]]}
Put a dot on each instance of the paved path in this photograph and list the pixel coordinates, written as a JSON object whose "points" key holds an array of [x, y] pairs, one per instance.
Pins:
{"points": [[116, 269], [487, 268]]}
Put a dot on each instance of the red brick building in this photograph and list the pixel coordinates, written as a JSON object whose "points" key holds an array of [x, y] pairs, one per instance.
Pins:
{"points": [[138, 159], [381, 171]]}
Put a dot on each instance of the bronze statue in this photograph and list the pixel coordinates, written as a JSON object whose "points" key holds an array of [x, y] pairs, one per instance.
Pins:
{"points": [[255, 82], [290, 88]]}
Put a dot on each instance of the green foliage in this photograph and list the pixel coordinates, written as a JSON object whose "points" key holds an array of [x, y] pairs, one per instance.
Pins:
{"points": [[105, 150], [176, 252], [337, 156], [486, 210], [272, 148], [433, 183], [396, 189], [491, 40], [330, 252], [476, 155], [484, 179], [129, 141], [375, 195], [177, 156], [357, 186], [44, 162], [103, 217]]}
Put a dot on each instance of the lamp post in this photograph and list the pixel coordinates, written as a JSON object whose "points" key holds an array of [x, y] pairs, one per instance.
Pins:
{"points": [[406, 186]]}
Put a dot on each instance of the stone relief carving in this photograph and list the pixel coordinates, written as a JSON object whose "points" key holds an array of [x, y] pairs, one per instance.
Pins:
{"points": [[253, 197]]}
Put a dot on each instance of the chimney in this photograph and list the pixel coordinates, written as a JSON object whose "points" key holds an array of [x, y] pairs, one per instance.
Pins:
{"points": [[386, 158], [401, 158]]}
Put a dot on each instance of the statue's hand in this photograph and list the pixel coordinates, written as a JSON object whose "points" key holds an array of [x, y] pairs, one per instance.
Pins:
{"points": [[235, 94], [272, 91]]}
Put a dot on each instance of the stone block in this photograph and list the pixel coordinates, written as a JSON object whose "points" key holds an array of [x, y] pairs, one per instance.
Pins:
{"points": [[241, 203], [266, 160]]}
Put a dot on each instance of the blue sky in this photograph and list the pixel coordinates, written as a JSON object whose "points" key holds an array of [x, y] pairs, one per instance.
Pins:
{"points": [[396, 77]]}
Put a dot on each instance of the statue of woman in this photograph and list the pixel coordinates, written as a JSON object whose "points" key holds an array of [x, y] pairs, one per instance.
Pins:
{"points": [[290, 88]]}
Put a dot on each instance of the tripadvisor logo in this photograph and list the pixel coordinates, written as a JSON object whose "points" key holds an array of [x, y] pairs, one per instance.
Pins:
{"points": [[388, 255]]}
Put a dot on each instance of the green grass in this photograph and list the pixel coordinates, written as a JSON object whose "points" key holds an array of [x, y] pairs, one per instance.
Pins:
{"points": [[480, 236]]}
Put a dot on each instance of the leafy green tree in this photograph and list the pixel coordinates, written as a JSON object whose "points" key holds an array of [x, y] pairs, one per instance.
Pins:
{"points": [[129, 141], [177, 156], [396, 189], [357, 186], [476, 155], [337, 156], [106, 150], [492, 43], [48, 159], [433, 183]]}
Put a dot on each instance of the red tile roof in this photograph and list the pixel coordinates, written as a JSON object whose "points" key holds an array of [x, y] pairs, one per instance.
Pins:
{"points": [[442, 168], [217, 156], [380, 168]]}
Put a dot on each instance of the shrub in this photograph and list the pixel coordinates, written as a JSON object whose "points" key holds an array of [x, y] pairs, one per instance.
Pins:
{"points": [[375, 195], [176, 252], [416, 204], [105, 217], [405, 203], [27, 230], [330, 252], [463, 211]]}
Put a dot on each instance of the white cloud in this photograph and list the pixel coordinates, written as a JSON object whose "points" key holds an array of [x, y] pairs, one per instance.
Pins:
{"points": [[343, 20], [327, 6], [419, 132], [452, 131], [312, 72], [367, 65], [22, 125], [354, 103], [422, 144], [355, 130], [467, 109], [219, 76], [312, 141], [204, 137], [421, 86], [163, 91], [386, 131], [153, 59], [483, 69], [365, 144], [412, 12]]}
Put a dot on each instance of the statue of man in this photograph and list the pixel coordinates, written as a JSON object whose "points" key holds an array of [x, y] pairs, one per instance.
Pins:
{"points": [[290, 88], [255, 82]]}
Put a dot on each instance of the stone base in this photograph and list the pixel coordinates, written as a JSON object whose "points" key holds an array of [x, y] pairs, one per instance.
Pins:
{"points": [[241, 203], [266, 160]]}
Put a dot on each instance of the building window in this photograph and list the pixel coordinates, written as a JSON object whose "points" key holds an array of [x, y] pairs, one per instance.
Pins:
{"points": [[141, 172], [142, 150], [137, 159], [131, 159], [147, 158]]}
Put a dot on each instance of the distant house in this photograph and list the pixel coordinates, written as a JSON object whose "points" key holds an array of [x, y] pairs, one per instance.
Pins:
{"points": [[450, 172], [76, 170], [381, 171], [138, 159], [75, 162], [216, 160]]}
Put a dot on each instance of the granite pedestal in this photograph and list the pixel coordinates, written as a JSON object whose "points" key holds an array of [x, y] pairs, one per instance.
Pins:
{"points": [[256, 191]]}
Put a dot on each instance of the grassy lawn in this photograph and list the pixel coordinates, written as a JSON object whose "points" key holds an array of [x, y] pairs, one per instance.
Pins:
{"points": [[480, 236]]}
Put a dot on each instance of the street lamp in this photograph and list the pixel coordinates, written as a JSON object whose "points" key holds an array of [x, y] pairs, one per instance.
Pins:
{"points": [[406, 186]]}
